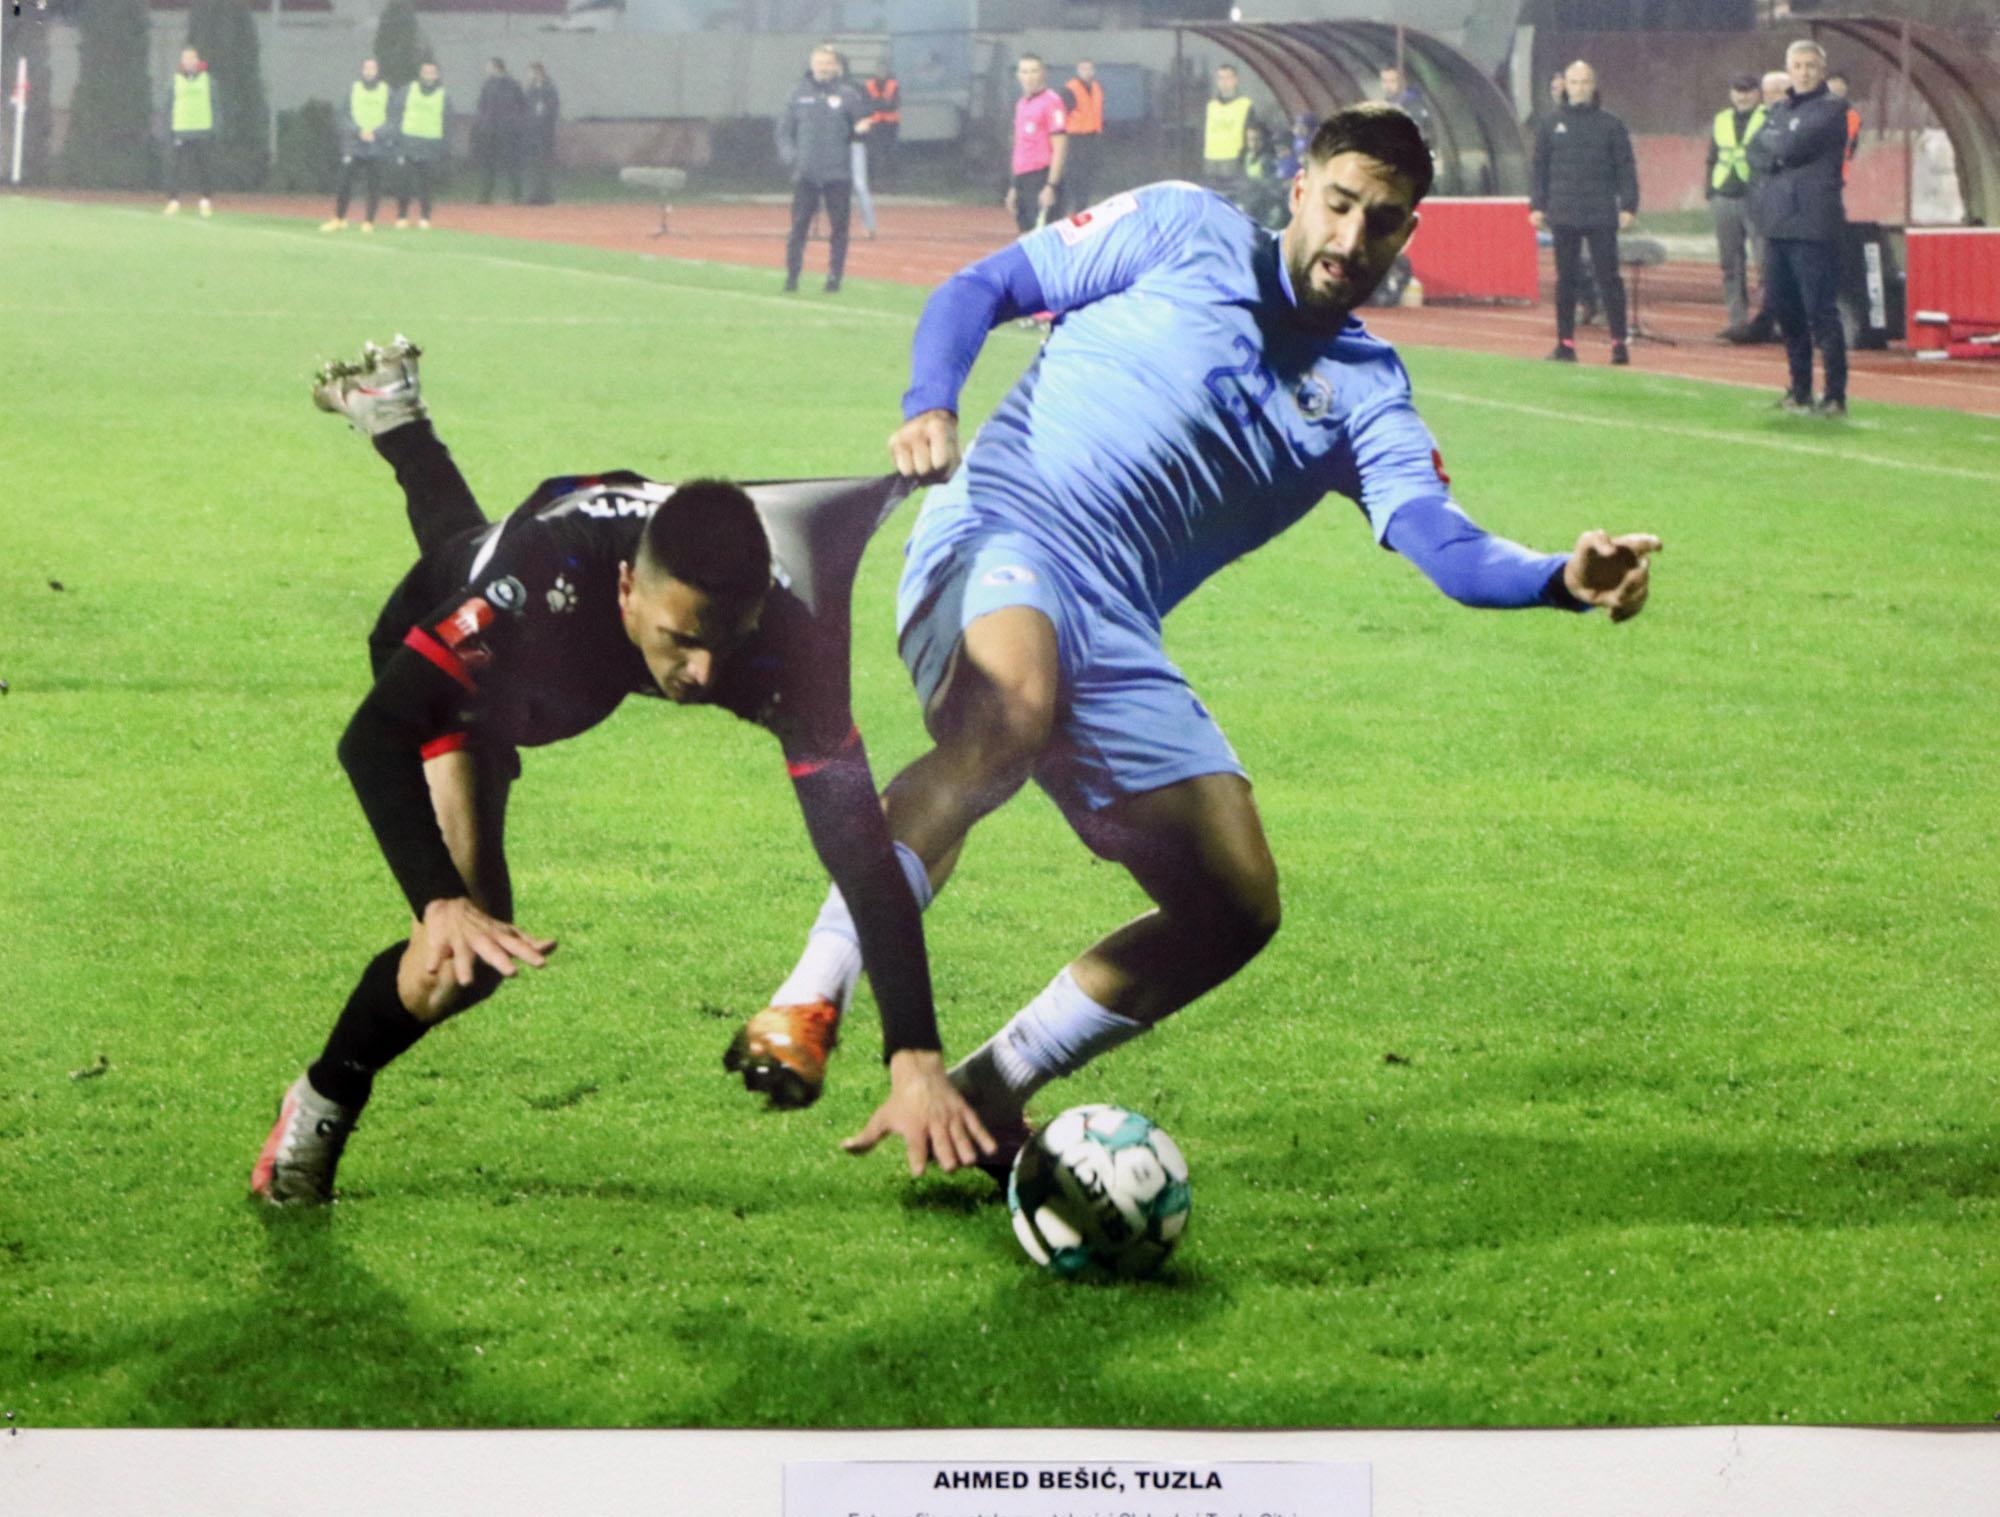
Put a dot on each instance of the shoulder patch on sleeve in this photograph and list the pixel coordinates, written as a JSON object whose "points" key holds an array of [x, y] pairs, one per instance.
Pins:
{"points": [[1087, 223], [468, 621]]}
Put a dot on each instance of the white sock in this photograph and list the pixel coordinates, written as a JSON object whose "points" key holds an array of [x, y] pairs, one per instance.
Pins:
{"points": [[830, 967], [1054, 1035]]}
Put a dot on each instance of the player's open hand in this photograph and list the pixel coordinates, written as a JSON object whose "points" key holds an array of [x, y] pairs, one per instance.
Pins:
{"points": [[926, 1109], [460, 934], [1612, 573], [925, 447]]}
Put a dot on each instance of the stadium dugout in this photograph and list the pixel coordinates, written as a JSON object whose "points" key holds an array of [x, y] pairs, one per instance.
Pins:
{"points": [[1476, 243], [1319, 66]]}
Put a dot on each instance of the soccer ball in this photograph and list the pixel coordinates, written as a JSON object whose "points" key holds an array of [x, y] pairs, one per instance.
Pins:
{"points": [[1100, 1189]]}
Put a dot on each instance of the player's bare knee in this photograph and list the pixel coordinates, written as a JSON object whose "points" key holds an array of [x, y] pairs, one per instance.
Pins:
{"points": [[433, 996]]}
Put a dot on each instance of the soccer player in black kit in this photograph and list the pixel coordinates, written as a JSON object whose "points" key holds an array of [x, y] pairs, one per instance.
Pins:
{"points": [[528, 630]]}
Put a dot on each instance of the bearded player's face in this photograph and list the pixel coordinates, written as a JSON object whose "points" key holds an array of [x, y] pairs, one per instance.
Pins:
{"points": [[1351, 216]]}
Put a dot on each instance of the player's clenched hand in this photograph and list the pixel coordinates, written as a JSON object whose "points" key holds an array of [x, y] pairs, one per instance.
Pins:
{"points": [[1611, 573], [926, 1109], [459, 933], [925, 447]]}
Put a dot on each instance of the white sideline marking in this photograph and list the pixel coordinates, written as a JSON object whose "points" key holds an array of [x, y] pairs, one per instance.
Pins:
{"points": [[802, 305], [1709, 434]]}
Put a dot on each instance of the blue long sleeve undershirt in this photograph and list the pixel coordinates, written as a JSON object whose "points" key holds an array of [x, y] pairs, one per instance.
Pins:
{"points": [[1459, 556], [1474, 567], [956, 320]]}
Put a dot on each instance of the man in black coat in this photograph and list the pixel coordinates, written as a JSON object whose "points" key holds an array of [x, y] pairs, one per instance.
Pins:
{"points": [[498, 130], [1586, 188], [544, 110], [1797, 159], [824, 115]]}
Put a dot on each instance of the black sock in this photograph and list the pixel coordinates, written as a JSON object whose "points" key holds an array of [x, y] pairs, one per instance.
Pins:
{"points": [[373, 1031]]}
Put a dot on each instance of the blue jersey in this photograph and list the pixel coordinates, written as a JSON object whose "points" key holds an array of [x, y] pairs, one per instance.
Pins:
{"points": [[1179, 415]]}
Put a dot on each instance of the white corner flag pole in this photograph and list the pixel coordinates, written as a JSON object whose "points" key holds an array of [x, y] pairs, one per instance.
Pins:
{"points": [[20, 113]]}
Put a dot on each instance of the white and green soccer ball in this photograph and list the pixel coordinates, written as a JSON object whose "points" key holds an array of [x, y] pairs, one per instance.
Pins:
{"points": [[1100, 1189]]}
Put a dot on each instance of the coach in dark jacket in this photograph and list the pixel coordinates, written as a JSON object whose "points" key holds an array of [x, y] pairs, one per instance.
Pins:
{"points": [[822, 118], [499, 130], [1795, 200], [1586, 187]]}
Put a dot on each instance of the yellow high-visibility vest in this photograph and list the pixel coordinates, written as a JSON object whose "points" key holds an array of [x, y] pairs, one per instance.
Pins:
{"points": [[1226, 120], [1730, 160], [194, 103], [423, 114], [369, 106]]}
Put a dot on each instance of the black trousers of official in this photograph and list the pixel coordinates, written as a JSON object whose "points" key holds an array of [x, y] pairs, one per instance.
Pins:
{"points": [[415, 183], [371, 173], [1804, 296], [1028, 213], [499, 153], [541, 173], [189, 161], [1601, 242], [807, 196]]}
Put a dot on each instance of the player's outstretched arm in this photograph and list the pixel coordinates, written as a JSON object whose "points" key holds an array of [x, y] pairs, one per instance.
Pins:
{"points": [[1612, 573], [1476, 568], [925, 1109], [949, 335]]}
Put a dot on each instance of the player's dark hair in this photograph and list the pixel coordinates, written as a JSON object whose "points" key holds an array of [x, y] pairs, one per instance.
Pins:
{"points": [[1380, 131], [707, 534], [1028, 58]]}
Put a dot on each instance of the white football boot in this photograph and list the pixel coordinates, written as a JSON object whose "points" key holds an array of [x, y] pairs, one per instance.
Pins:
{"points": [[304, 1148], [378, 392]]}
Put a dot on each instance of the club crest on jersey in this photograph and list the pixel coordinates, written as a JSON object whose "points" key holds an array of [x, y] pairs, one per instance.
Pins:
{"points": [[562, 596], [1315, 397], [507, 595], [1009, 574]]}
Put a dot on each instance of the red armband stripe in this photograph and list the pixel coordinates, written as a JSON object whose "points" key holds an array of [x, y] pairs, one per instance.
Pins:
{"points": [[798, 769], [438, 654], [438, 747]]}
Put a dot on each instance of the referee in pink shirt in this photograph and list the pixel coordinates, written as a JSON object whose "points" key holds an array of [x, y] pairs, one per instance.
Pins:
{"points": [[1039, 147]]}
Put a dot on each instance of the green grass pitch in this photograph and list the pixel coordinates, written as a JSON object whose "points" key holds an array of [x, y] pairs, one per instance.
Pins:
{"points": [[1629, 1053]]}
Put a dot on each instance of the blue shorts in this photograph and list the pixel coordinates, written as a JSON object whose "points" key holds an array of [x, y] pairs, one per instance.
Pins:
{"points": [[1126, 719]]}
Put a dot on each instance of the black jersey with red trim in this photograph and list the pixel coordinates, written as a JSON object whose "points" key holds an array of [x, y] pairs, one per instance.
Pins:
{"points": [[508, 635], [521, 617]]}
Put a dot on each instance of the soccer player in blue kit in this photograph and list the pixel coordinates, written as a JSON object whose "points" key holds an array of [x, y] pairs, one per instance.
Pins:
{"points": [[1205, 385]]}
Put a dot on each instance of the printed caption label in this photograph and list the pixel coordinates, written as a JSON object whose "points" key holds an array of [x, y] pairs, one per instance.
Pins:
{"points": [[1120, 1488]]}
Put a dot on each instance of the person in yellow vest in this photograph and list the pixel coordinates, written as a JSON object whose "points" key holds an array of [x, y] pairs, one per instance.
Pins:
{"points": [[1086, 134], [1729, 190], [191, 118], [1229, 115], [367, 141], [420, 112]]}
